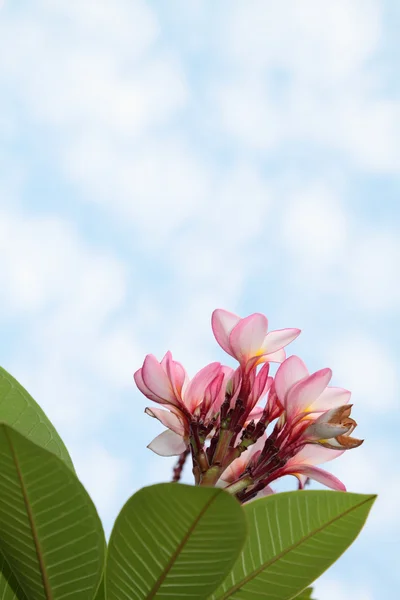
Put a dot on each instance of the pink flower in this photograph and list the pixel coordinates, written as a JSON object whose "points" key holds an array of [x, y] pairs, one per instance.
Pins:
{"points": [[302, 466], [248, 339], [196, 400], [302, 394], [239, 465], [162, 382]]}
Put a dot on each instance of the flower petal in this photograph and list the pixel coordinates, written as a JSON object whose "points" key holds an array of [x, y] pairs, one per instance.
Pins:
{"points": [[138, 377], [313, 454], [168, 443], [275, 340], [194, 394], [156, 379], [290, 372], [222, 323], [303, 394], [167, 418], [278, 356], [176, 374], [247, 337], [331, 398], [321, 476]]}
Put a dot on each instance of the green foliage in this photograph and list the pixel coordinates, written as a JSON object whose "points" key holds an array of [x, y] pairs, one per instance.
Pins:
{"points": [[19, 409], [293, 538], [173, 541], [9, 586], [169, 540], [50, 533]]}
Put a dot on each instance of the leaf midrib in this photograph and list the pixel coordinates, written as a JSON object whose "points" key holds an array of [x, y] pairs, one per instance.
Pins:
{"points": [[39, 553], [254, 574], [180, 546]]}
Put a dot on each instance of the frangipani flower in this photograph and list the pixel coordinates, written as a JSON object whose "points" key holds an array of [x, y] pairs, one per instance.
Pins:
{"points": [[302, 466], [188, 401], [302, 394], [223, 414], [162, 382], [248, 339]]}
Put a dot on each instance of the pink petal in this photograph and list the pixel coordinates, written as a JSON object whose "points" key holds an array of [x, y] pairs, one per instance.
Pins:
{"points": [[321, 476], [247, 337], [168, 443], [278, 356], [255, 414], [167, 418], [222, 323], [176, 374], [260, 387], [143, 387], [332, 397], [157, 381], [290, 372], [303, 394], [195, 391], [313, 454], [275, 340]]}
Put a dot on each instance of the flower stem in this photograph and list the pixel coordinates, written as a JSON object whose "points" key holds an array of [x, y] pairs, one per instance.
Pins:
{"points": [[179, 465], [239, 485]]}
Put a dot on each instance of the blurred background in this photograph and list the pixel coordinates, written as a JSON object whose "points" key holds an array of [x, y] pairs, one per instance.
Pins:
{"points": [[162, 159]]}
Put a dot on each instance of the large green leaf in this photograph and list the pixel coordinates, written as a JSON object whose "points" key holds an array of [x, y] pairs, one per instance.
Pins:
{"points": [[19, 409], [50, 533], [9, 586], [173, 541], [293, 537]]}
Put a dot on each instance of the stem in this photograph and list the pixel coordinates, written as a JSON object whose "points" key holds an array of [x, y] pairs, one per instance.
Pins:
{"points": [[239, 485], [210, 477], [222, 446], [177, 472]]}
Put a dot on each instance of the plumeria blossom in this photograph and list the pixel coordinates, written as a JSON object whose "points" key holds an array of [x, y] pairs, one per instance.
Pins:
{"points": [[248, 339], [301, 465], [221, 416], [199, 399], [302, 394]]}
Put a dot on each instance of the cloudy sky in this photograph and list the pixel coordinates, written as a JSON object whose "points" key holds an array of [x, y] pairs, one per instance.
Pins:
{"points": [[161, 159]]}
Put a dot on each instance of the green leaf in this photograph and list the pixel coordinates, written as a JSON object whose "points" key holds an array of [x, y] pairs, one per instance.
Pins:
{"points": [[101, 593], [50, 533], [19, 410], [9, 586], [173, 541], [293, 537]]}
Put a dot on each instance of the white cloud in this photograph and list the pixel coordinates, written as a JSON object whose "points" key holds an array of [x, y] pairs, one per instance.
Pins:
{"points": [[366, 367], [308, 79], [324, 41], [315, 226], [372, 269], [67, 299], [107, 479], [157, 188]]}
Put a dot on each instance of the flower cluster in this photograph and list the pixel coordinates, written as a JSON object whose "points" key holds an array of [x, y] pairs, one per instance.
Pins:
{"points": [[221, 415]]}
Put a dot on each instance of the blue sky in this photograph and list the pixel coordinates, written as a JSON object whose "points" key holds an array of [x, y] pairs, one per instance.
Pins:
{"points": [[158, 160]]}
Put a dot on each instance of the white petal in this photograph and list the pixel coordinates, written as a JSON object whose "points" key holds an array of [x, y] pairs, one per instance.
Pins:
{"points": [[168, 443]]}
